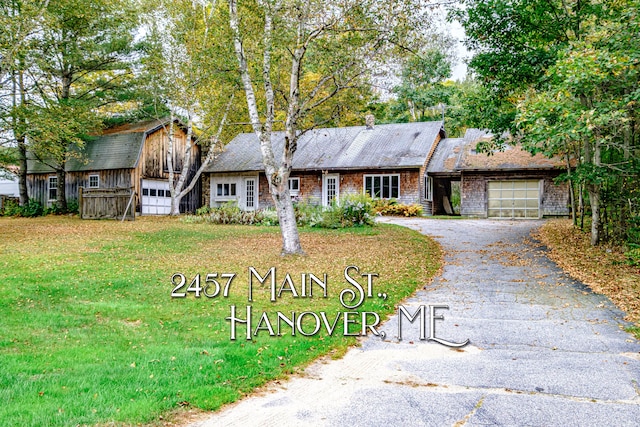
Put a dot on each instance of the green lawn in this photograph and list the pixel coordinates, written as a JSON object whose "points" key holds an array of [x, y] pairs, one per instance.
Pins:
{"points": [[89, 333]]}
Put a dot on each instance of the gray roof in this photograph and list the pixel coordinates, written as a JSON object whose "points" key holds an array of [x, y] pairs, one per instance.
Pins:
{"points": [[402, 145], [117, 148], [446, 156], [511, 157]]}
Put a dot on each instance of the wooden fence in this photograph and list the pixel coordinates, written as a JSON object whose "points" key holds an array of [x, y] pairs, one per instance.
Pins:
{"points": [[107, 203]]}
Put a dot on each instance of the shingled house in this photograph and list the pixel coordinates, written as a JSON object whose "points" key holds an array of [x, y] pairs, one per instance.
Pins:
{"points": [[128, 156], [387, 161], [506, 184]]}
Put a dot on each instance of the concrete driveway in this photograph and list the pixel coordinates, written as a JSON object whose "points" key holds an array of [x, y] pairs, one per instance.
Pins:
{"points": [[544, 350]]}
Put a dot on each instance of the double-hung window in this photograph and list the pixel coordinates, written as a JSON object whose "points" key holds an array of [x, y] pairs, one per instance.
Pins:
{"points": [[53, 188], [383, 186]]}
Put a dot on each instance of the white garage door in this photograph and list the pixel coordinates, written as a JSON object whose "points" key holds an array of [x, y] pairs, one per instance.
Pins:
{"points": [[156, 198], [514, 199]]}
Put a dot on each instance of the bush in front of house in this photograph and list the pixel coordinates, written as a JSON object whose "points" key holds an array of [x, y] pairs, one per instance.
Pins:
{"points": [[30, 210], [353, 211], [392, 207]]}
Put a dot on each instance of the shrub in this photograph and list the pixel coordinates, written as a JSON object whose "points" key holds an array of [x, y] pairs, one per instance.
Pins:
{"points": [[269, 217], [30, 210], [357, 210], [11, 208], [33, 209], [73, 207], [205, 210], [633, 255], [392, 207]]}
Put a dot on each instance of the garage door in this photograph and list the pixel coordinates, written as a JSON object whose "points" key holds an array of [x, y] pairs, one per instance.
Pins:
{"points": [[514, 199], [156, 198]]}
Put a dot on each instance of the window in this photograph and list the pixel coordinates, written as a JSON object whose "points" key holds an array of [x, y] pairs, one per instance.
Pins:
{"points": [[226, 189], [53, 187], [145, 191], [94, 181], [428, 188], [294, 186], [382, 186]]}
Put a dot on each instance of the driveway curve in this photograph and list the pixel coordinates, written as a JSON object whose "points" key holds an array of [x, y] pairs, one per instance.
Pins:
{"points": [[544, 350]]}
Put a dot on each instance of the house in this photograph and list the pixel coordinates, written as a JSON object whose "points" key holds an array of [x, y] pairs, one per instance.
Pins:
{"points": [[410, 162], [127, 156], [9, 183], [387, 161], [510, 183]]}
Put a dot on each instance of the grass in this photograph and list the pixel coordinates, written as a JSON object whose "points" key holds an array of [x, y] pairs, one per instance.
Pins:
{"points": [[603, 268], [90, 335]]}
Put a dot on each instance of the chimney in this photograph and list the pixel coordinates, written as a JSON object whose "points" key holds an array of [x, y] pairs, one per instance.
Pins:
{"points": [[370, 120]]}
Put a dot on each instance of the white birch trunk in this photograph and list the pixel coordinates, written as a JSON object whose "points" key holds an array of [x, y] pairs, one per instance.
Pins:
{"points": [[277, 177]]}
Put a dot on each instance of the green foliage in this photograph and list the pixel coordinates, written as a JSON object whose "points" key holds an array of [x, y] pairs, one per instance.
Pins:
{"points": [[354, 210], [204, 210], [30, 210], [11, 208], [392, 207], [633, 255]]}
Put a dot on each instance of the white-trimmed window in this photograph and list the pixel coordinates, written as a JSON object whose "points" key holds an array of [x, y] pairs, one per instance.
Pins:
{"points": [[94, 181], [383, 186], [53, 188], [294, 186], [226, 190], [428, 188]]}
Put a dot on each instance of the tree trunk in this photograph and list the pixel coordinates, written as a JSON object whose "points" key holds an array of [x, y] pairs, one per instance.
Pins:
{"points": [[22, 173], [61, 201], [175, 204], [276, 176], [594, 200], [571, 192], [287, 217]]}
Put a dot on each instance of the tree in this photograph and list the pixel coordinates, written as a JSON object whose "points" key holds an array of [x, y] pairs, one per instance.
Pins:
{"points": [[81, 65], [565, 77], [331, 47], [21, 21], [588, 112], [185, 72], [423, 88]]}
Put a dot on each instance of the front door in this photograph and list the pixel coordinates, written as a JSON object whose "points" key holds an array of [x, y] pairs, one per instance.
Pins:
{"points": [[330, 189], [250, 201]]}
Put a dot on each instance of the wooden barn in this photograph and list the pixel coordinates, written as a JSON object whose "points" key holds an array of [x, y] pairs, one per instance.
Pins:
{"points": [[130, 156]]}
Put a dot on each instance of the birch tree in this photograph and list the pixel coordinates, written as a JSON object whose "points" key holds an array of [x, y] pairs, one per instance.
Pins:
{"points": [[186, 73], [280, 43]]}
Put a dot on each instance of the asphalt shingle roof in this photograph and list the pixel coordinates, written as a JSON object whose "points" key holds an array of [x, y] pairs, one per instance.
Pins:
{"points": [[402, 145]]}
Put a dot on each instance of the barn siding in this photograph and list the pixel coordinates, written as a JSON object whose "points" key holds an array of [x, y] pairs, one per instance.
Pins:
{"points": [[153, 165], [37, 184]]}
